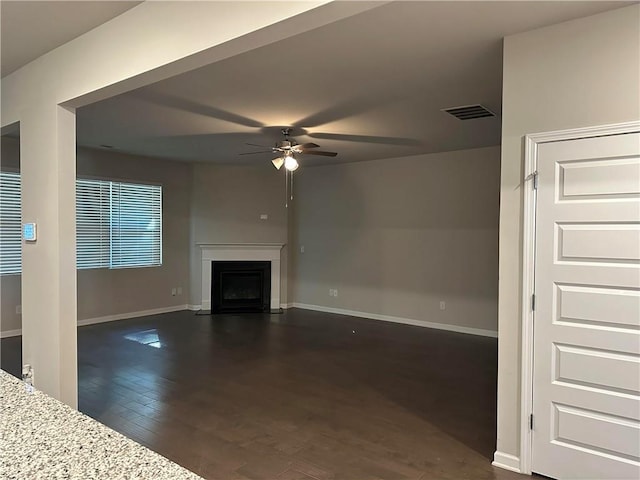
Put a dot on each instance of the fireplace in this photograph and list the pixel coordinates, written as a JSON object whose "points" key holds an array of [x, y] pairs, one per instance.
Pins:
{"points": [[240, 286], [252, 252]]}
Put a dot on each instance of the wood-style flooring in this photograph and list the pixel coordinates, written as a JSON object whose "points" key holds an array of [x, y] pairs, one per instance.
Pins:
{"points": [[301, 395]]}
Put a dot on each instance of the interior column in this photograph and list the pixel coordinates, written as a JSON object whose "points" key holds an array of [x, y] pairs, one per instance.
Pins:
{"points": [[49, 308]]}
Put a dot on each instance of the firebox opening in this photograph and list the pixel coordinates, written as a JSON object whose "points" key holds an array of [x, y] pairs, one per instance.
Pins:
{"points": [[240, 286]]}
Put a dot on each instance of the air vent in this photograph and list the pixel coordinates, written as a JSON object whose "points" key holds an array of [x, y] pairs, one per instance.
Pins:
{"points": [[469, 112]]}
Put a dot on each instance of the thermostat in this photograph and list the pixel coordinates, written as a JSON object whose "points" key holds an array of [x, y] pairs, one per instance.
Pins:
{"points": [[29, 232]]}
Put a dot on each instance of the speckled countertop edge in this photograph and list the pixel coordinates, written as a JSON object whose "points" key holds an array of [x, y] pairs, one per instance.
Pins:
{"points": [[42, 438]]}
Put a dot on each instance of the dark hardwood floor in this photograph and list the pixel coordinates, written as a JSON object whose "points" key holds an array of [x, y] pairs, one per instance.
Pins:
{"points": [[302, 395]]}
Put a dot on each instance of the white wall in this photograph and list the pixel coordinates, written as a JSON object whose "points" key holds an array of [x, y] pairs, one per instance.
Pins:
{"points": [[226, 204], [580, 73], [103, 292], [398, 236]]}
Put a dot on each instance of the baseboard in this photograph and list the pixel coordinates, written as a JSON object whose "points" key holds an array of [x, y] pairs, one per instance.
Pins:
{"points": [[124, 316], [11, 333], [304, 306], [506, 461], [406, 321], [110, 318]]}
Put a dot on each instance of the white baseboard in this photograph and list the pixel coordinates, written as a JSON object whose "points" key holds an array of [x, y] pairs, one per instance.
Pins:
{"points": [[10, 333], [506, 461], [304, 306], [110, 318], [406, 321], [124, 316]]}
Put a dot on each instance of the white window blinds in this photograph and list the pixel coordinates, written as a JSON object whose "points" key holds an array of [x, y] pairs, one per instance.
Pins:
{"points": [[118, 224], [136, 225], [10, 223], [93, 204]]}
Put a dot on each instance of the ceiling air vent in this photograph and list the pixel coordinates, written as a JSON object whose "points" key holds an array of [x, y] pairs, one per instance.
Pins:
{"points": [[469, 112]]}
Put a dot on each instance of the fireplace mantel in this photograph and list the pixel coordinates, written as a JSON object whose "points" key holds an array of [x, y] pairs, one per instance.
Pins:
{"points": [[241, 252]]}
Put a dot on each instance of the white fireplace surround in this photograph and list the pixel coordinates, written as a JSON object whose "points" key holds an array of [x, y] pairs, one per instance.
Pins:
{"points": [[241, 252]]}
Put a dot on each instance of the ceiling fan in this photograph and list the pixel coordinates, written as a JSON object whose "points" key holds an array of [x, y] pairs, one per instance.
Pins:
{"points": [[287, 150]]}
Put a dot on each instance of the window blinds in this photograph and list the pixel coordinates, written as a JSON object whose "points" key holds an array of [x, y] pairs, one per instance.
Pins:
{"points": [[118, 224], [10, 223], [93, 203], [136, 225]]}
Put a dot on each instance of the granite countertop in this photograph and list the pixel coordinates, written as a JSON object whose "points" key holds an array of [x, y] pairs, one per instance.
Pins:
{"points": [[42, 438]]}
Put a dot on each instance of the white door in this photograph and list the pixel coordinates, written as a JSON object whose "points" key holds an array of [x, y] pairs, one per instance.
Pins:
{"points": [[586, 390]]}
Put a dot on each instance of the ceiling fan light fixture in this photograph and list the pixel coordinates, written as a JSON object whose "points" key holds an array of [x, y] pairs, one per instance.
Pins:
{"points": [[278, 162], [290, 163]]}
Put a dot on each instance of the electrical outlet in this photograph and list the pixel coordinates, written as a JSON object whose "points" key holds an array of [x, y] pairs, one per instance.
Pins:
{"points": [[179, 290], [335, 292], [443, 305], [264, 216], [301, 248], [173, 292], [18, 309]]}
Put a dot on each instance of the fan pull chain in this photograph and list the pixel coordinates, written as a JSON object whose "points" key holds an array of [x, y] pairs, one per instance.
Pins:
{"points": [[291, 189], [286, 186]]}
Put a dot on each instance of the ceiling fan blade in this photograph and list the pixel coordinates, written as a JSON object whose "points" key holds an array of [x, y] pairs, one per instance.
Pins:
{"points": [[304, 146], [253, 153], [256, 145], [319, 152]]}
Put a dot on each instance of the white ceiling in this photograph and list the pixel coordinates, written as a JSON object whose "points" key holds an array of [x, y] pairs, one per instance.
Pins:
{"points": [[370, 86], [31, 29]]}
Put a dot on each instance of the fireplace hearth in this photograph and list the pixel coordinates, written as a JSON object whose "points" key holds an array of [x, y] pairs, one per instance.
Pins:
{"points": [[240, 286]]}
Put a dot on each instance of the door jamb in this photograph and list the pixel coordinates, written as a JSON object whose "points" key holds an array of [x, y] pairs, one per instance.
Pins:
{"points": [[528, 267]]}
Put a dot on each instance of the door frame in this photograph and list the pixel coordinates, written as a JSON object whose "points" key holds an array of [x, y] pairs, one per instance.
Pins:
{"points": [[529, 183]]}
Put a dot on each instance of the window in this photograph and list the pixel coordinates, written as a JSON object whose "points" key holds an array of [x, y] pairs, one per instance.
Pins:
{"points": [[10, 223], [93, 201], [118, 225], [136, 225]]}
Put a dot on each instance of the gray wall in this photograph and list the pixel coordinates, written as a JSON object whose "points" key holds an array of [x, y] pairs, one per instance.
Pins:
{"points": [[575, 74], [397, 236], [226, 204], [104, 292]]}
